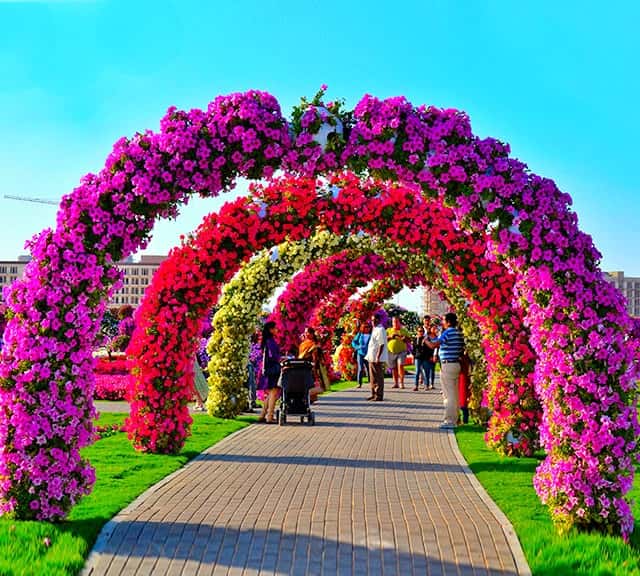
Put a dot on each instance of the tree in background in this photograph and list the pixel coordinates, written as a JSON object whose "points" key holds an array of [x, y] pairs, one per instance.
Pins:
{"points": [[108, 329], [126, 324], [410, 320]]}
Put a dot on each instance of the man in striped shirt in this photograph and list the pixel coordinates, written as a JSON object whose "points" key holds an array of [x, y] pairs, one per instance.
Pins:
{"points": [[451, 345]]}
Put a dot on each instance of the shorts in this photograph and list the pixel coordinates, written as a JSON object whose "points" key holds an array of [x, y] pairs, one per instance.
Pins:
{"points": [[395, 358]]}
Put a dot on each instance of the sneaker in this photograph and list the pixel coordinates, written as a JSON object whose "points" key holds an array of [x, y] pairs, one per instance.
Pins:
{"points": [[415, 389], [371, 398], [395, 386]]}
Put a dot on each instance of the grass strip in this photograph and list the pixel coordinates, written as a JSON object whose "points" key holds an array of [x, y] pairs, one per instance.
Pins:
{"points": [[509, 483], [44, 548]]}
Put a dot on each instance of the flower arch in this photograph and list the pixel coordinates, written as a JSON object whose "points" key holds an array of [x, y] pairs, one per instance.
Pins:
{"points": [[241, 305], [361, 308], [297, 304], [577, 321], [354, 262], [342, 203]]}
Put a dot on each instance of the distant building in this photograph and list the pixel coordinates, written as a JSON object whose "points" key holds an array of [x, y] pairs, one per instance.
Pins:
{"points": [[137, 276], [11, 270], [433, 304], [630, 288]]}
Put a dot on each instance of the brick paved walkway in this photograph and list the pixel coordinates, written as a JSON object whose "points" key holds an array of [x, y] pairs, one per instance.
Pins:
{"points": [[373, 488]]}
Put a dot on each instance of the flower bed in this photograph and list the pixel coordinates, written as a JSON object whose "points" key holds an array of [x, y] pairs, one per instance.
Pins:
{"points": [[104, 365], [111, 386]]}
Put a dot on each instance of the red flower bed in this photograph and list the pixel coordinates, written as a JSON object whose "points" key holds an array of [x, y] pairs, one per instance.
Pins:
{"points": [[111, 386], [111, 366]]}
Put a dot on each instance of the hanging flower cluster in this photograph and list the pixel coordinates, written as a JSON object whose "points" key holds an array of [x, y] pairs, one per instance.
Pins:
{"points": [[538, 264]]}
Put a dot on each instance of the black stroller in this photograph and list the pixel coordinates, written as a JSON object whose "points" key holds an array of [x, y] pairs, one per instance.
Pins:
{"points": [[296, 379]]}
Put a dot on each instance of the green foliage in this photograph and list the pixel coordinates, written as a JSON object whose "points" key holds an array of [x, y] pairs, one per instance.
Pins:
{"points": [[341, 385], [44, 548], [119, 343], [108, 325], [409, 319], [509, 483], [337, 112]]}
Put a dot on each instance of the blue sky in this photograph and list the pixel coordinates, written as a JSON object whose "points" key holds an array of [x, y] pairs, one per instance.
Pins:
{"points": [[557, 80]]}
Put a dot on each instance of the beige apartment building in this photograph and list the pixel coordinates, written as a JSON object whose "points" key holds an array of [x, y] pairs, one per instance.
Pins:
{"points": [[432, 304], [137, 276], [630, 288]]}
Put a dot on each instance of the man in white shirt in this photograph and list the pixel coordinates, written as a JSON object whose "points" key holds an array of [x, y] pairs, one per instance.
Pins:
{"points": [[377, 357]]}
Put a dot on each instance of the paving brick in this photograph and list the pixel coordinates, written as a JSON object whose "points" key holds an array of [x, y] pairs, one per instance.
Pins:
{"points": [[372, 489]]}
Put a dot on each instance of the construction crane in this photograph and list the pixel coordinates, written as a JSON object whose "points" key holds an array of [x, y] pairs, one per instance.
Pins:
{"points": [[29, 199]]}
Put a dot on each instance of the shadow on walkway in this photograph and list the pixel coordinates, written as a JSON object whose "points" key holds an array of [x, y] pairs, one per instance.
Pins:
{"points": [[179, 546], [333, 462]]}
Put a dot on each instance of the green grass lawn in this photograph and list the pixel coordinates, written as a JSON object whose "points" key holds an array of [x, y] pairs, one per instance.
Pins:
{"points": [[341, 385], [58, 549], [509, 482], [42, 548]]}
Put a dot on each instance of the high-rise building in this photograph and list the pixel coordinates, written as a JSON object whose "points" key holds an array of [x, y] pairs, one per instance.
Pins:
{"points": [[137, 276], [433, 304], [630, 288]]}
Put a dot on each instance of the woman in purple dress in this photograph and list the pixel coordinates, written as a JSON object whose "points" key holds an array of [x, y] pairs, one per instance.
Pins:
{"points": [[270, 373]]}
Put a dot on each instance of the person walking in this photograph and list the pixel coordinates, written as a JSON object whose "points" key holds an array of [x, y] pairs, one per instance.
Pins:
{"points": [[201, 387], [398, 338], [377, 357], [432, 336], [360, 343], [268, 383], [451, 347], [423, 356], [311, 351]]}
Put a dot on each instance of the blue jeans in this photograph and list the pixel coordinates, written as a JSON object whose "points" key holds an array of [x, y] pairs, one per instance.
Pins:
{"points": [[251, 385], [428, 370], [363, 368]]}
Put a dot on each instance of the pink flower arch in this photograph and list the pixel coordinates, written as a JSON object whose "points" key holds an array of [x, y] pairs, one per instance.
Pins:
{"points": [[295, 307], [585, 373]]}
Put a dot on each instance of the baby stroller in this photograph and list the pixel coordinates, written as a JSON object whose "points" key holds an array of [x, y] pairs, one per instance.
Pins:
{"points": [[296, 379]]}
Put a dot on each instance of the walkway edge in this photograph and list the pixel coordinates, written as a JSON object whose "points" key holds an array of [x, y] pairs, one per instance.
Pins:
{"points": [[505, 524], [105, 534]]}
